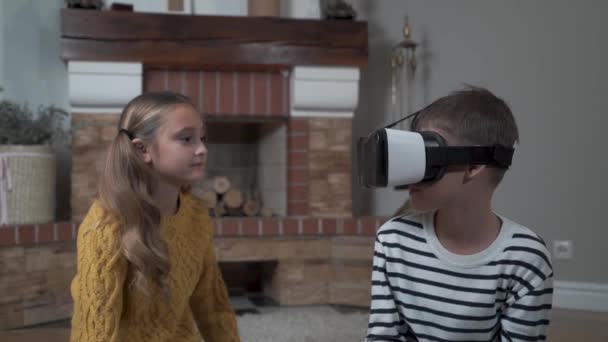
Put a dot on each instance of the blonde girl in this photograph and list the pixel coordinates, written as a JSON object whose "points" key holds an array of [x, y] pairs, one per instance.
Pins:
{"points": [[146, 264]]}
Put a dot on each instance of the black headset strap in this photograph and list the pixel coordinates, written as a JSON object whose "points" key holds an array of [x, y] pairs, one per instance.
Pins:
{"points": [[391, 125], [498, 155]]}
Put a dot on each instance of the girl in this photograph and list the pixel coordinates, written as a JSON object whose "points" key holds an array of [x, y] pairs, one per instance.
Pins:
{"points": [[146, 264]]}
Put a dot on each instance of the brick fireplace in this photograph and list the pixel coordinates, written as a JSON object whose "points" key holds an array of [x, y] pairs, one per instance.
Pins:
{"points": [[301, 166], [278, 104]]}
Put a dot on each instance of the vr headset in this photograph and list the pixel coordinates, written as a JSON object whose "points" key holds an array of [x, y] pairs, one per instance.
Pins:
{"points": [[392, 157]]}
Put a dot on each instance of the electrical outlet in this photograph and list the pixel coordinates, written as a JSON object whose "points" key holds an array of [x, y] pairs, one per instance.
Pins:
{"points": [[563, 249]]}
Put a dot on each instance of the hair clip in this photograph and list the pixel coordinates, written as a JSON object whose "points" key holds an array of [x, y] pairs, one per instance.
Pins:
{"points": [[129, 134]]}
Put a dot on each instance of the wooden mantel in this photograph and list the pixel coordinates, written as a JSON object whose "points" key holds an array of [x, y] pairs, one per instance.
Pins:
{"points": [[211, 41]]}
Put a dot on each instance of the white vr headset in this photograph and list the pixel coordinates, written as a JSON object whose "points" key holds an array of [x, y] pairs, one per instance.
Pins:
{"points": [[397, 158]]}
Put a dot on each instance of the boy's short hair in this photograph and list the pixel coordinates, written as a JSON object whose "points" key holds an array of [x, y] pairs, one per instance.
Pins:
{"points": [[475, 116]]}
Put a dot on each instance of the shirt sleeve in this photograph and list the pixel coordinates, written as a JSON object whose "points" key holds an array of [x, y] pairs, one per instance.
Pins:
{"points": [[385, 323], [527, 318], [97, 288], [210, 302]]}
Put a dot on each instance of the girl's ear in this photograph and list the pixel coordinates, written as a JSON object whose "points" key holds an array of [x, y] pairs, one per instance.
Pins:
{"points": [[472, 171], [142, 150]]}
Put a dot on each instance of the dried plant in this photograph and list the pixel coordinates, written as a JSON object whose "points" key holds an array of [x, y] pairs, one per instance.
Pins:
{"points": [[19, 125]]}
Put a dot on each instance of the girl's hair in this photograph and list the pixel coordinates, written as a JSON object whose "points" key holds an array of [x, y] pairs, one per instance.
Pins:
{"points": [[127, 187]]}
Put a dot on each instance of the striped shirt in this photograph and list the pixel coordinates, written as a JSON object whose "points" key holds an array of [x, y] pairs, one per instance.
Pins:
{"points": [[423, 292]]}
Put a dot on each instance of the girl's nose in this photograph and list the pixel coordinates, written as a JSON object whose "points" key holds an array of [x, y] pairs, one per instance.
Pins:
{"points": [[201, 149]]}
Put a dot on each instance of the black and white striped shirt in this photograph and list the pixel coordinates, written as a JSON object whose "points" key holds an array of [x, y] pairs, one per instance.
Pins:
{"points": [[423, 292]]}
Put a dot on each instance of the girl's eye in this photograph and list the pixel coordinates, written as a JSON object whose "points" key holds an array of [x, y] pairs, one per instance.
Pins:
{"points": [[186, 139], [204, 138]]}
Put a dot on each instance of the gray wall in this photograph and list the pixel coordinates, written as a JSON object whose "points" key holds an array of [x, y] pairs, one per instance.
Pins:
{"points": [[547, 59], [1, 48], [32, 71]]}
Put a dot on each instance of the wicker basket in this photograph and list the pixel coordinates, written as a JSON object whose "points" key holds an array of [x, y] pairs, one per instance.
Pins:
{"points": [[27, 184]]}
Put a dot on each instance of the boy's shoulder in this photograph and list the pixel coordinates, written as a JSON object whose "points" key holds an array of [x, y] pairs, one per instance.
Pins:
{"points": [[526, 246], [409, 225], [522, 235]]}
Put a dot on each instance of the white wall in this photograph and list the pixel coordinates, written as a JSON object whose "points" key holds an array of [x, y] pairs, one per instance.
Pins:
{"points": [[548, 60], [31, 69]]}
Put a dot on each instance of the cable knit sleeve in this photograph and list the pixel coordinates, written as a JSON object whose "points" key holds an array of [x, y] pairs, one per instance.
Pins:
{"points": [[210, 302], [98, 284]]}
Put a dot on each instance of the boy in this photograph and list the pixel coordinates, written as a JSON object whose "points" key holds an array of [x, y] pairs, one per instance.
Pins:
{"points": [[457, 271]]}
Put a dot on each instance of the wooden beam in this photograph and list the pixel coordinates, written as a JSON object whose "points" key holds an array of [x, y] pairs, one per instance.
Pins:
{"points": [[198, 41]]}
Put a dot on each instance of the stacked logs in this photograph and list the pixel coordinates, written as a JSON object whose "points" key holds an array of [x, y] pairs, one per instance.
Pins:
{"points": [[226, 200]]}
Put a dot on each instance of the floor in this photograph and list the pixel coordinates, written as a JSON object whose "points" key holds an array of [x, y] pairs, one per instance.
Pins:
{"points": [[566, 326]]}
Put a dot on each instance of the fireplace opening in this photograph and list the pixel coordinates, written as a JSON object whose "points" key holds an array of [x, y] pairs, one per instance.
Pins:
{"points": [[247, 284], [246, 172]]}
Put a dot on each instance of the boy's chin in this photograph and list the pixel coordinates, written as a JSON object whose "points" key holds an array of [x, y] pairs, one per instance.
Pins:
{"points": [[421, 206]]}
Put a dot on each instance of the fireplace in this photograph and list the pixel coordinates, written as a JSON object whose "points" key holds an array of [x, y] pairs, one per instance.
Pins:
{"points": [[278, 96], [278, 105]]}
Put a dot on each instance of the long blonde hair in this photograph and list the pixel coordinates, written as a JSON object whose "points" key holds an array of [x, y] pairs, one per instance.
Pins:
{"points": [[127, 187]]}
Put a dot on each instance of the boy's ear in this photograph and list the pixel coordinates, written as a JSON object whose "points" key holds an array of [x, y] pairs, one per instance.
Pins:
{"points": [[142, 150], [472, 171]]}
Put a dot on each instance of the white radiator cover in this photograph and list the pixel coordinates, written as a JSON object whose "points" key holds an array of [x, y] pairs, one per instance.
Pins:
{"points": [[103, 87], [324, 91]]}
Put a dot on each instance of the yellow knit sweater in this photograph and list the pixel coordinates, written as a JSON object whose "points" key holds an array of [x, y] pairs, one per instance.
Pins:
{"points": [[106, 309]]}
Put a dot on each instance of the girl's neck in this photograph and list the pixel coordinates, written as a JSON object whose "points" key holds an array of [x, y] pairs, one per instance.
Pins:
{"points": [[467, 228], [166, 198]]}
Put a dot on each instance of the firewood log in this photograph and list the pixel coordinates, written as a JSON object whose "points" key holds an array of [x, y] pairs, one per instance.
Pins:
{"points": [[266, 212], [209, 197], [219, 209], [221, 184], [251, 208], [233, 199]]}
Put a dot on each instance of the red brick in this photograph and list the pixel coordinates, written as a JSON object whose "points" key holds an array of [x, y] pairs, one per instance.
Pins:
{"points": [[298, 159], [368, 226], [209, 92], [329, 226], [297, 176], [154, 80], [270, 227], [260, 93], [45, 233], [349, 226], [298, 126], [290, 227], [227, 101], [7, 236], [230, 227], [297, 142], [250, 227], [277, 94], [244, 89], [27, 234], [310, 227], [193, 87], [297, 208], [176, 81], [217, 226], [298, 192], [64, 231]]}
